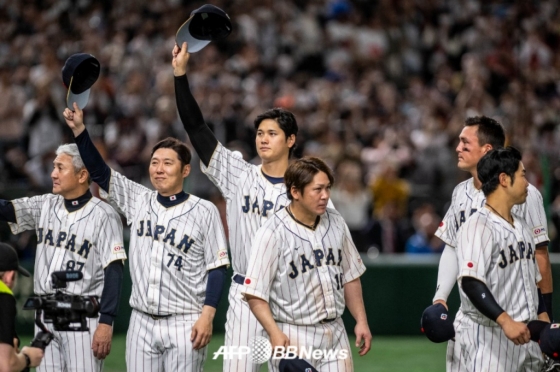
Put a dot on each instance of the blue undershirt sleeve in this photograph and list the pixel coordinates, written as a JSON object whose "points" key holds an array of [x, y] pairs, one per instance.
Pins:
{"points": [[98, 170], [7, 211], [111, 294], [215, 286]]}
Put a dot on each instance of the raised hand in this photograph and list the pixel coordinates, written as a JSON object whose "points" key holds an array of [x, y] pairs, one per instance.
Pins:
{"points": [[74, 119], [180, 59]]}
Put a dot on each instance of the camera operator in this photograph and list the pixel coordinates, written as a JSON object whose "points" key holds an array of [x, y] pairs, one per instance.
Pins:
{"points": [[75, 232], [10, 358]]}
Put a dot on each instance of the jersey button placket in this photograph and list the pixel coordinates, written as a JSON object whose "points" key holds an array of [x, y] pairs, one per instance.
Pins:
{"points": [[326, 281], [154, 276]]}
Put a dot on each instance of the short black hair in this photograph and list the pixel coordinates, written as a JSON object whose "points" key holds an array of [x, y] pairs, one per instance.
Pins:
{"points": [[285, 119], [301, 172], [174, 144], [490, 131], [495, 162]]}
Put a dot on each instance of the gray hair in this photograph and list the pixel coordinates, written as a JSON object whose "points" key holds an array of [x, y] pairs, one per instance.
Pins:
{"points": [[71, 149]]}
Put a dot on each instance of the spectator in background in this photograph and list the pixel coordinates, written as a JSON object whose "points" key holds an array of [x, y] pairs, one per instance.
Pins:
{"points": [[390, 231], [425, 222], [395, 79], [352, 199], [389, 189]]}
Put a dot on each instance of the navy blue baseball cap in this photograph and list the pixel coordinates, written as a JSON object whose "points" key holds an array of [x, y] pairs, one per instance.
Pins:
{"points": [[79, 73], [437, 324], [548, 337], [295, 365], [205, 24], [9, 260]]}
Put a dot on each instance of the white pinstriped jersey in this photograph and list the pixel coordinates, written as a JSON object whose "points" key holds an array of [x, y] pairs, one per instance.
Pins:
{"points": [[466, 200], [250, 199], [502, 257], [171, 249], [86, 240], [300, 272]]}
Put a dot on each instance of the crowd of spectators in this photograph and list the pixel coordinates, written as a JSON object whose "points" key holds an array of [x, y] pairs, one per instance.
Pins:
{"points": [[380, 90]]}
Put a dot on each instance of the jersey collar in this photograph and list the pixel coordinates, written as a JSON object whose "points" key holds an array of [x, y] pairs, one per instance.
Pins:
{"points": [[73, 205], [317, 220], [173, 200], [272, 180]]}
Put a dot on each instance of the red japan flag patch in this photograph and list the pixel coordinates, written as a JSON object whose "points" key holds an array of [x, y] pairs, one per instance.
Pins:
{"points": [[539, 230], [249, 282], [469, 265]]}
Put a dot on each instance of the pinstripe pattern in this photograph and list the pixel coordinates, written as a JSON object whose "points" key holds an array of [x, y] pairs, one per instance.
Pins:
{"points": [[63, 237], [298, 270], [171, 251], [241, 327], [87, 240], [159, 236], [466, 200], [503, 257], [329, 336], [71, 351], [251, 199], [453, 355], [487, 349], [162, 345]]}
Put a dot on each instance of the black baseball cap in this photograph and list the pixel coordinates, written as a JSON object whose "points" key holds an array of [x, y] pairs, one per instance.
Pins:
{"points": [[205, 24], [9, 260], [295, 365], [79, 73], [436, 324], [548, 337]]}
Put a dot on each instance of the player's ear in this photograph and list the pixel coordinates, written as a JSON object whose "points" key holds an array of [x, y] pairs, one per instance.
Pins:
{"points": [[83, 175], [504, 180], [291, 140], [295, 193], [186, 170]]}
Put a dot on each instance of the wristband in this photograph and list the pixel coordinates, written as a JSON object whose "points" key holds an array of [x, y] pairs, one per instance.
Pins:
{"points": [[27, 360]]}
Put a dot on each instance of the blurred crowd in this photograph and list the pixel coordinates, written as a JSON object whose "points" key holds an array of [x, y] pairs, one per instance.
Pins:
{"points": [[380, 90]]}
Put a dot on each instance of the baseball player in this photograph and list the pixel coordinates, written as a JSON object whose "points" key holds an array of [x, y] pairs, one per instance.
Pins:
{"points": [[498, 275], [178, 256], [253, 193], [480, 135], [75, 231], [304, 268]]}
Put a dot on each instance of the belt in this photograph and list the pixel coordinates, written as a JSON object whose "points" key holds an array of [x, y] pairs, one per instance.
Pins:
{"points": [[157, 317], [239, 279], [327, 321]]}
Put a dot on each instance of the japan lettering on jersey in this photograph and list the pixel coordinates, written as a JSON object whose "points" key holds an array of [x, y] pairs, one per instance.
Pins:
{"points": [[171, 249], [86, 240], [466, 200], [503, 257], [301, 272], [251, 199]]}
